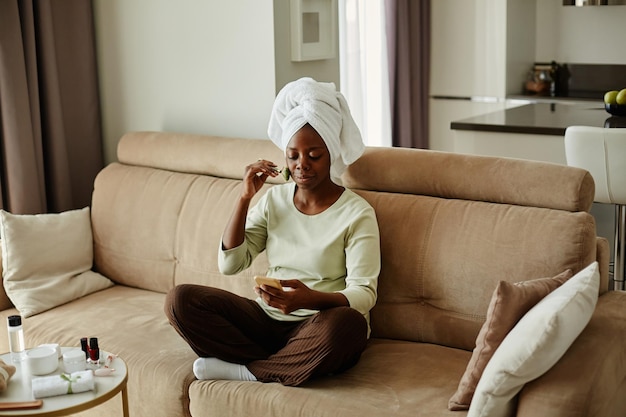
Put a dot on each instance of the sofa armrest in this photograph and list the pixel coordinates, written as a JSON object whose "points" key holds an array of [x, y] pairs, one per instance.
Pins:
{"points": [[5, 303], [603, 256], [590, 378]]}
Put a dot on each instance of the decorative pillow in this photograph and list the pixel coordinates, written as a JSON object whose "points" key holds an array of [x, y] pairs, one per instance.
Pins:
{"points": [[536, 343], [47, 259], [509, 302]]}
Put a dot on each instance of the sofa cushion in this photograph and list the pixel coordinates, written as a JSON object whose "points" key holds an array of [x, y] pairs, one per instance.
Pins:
{"points": [[441, 263], [392, 378], [472, 177], [47, 259], [197, 154], [154, 229], [536, 343], [509, 303]]}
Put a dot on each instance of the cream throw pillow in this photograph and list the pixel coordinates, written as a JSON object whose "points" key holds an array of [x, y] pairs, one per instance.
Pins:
{"points": [[47, 259], [536, 343]]}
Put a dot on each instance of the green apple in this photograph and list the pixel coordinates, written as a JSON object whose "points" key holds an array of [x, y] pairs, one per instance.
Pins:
{"points": [[621, 97], [610, 97]]}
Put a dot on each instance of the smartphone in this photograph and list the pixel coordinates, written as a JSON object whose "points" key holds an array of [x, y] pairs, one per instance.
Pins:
{"points": [[270, 282]]}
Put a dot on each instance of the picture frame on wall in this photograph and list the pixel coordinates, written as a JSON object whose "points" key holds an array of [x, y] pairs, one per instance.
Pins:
{"points": [[313, 29]]}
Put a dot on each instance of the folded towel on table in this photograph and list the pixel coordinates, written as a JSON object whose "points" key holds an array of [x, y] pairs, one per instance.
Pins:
{"points": [[324, 108], [50, 386]]}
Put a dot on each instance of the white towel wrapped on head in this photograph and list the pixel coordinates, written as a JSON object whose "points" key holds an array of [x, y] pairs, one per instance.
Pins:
{"points": [[50, 386], [326, 110]]}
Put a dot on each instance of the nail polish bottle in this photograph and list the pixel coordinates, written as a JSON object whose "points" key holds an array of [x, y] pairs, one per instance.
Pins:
{"points": [[94, 352], [84, 345]]}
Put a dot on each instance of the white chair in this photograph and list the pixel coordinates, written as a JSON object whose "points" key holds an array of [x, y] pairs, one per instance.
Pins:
{"points": [[602, 152]]}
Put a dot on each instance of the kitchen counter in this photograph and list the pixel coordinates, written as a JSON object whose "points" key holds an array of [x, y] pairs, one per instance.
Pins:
{"points": [[541, 118]]}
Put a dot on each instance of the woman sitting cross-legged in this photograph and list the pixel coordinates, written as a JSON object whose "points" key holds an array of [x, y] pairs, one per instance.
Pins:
{"points": [[322, 243]]}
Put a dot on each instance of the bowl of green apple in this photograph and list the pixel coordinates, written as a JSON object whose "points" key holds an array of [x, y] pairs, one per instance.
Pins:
{"points": [[615, 102]]}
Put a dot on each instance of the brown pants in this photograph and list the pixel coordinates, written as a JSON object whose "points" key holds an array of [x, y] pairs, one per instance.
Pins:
{"points": [[220, 324]]}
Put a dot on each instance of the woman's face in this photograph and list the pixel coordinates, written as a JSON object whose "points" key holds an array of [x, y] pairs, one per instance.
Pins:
{"points": [[308, 158]]}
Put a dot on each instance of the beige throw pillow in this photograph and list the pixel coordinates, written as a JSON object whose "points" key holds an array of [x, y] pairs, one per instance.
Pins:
{"points": [[47, 259], [509, 302], [536, 343]]}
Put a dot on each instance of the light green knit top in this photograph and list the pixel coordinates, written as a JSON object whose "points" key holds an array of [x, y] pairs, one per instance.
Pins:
{"points": [[336, 250]]}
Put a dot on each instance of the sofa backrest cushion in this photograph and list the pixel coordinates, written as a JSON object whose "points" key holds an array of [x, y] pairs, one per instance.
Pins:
{"points": [[472, 177], [154, 229], [196, 154], [442, 259]]}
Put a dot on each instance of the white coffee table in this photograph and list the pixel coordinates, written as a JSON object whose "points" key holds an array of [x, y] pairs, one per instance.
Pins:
{"points": [[19, 389]]}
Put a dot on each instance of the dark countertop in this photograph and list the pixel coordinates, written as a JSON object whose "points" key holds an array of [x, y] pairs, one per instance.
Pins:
{"points": [[541, 119]]}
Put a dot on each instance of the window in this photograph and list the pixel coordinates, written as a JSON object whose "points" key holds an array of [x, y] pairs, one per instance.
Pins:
{"points": [[364, 75]]}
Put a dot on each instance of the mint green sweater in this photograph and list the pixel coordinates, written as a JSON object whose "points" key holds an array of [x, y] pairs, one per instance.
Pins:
{"points": [[337, 250]]}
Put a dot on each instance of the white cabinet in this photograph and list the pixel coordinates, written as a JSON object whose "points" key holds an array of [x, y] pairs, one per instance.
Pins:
{"points": [[480, 53], [481, 48], [468, 48], [546, 148], [442, 112]]}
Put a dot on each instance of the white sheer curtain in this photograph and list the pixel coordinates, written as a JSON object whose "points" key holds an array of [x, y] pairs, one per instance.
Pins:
{"points": [[364, 69]]}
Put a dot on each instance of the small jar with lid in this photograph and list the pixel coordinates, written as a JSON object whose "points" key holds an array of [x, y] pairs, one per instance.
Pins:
{"points": [[74, 361]]}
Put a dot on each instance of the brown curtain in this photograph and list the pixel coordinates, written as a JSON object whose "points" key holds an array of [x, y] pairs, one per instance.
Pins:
{"points": [[50, 132], [408, 45]]}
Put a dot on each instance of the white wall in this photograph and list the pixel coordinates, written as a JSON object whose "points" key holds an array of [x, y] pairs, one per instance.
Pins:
{"points": [[584, 35], [200, 66]]}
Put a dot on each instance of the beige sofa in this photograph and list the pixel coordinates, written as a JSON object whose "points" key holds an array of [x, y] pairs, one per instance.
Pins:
{"points": [[451, 226]]}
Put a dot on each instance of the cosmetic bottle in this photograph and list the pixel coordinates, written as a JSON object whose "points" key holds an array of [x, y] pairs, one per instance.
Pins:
{"points": [[84, 345], [16, 338], [94, 353]]}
